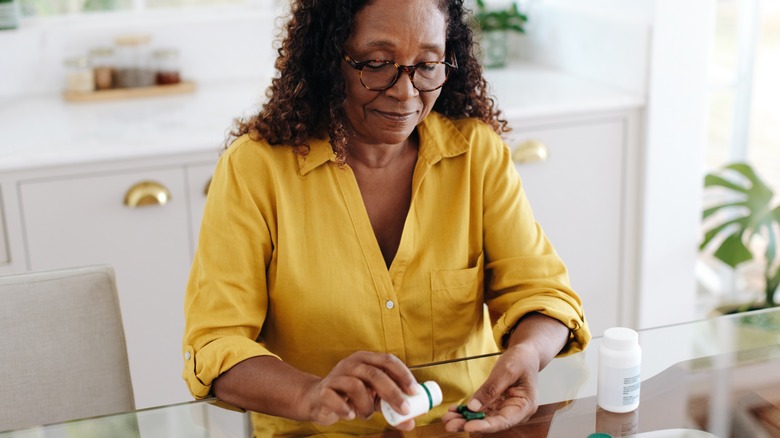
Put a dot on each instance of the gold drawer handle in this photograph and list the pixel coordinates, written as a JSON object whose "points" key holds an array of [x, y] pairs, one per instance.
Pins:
{"points": [[530, 151], [147, 193]]}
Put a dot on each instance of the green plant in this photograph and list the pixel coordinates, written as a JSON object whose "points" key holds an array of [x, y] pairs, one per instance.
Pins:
{"points": [[505, 19], [750, 215]]}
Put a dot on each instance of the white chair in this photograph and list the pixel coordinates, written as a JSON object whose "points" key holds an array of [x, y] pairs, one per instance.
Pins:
{"points": [[62, 347]]}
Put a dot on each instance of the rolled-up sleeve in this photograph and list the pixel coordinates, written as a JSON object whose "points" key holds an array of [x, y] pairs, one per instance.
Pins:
{"points": [[523, 273], [226, 299]]}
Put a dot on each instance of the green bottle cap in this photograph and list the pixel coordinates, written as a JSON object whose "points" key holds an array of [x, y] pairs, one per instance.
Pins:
{"points": [[600, 435]]}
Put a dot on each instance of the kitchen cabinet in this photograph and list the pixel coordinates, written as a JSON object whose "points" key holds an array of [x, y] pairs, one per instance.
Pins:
{"points": [[576, 172], [79, 216]]}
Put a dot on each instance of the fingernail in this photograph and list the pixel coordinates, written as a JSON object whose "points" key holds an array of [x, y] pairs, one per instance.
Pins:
{"points": [[474, 405], [405, 407], [351, 415]]}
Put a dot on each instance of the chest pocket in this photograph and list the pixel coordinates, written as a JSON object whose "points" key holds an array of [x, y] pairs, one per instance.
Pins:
{"points": [[457, 304]]}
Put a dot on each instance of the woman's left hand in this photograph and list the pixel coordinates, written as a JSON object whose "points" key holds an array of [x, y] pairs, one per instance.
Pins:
{"points": [[508, 397]]}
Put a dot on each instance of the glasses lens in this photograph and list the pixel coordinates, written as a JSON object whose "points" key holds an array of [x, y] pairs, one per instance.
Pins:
{"points": [[378, 75], [430, 76]]}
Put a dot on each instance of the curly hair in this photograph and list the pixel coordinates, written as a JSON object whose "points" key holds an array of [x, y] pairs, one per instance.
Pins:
{"points": [[305, 99]]}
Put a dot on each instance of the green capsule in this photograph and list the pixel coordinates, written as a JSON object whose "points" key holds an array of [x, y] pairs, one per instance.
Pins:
{"points": [[468, 414]]}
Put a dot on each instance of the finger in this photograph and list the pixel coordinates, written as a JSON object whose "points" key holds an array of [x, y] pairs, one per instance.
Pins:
{"points": [[507, 417], [406, 425], [354, 393], [391, 365], [453, 422], [400, 373], [480, 425], [493, 423], [453, 408], [487, 394], [383, 385], [450, 416], [505, 373], [333, 407]]}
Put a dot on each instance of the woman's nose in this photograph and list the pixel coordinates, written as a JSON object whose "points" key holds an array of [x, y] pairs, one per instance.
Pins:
{"points": [[403, 88]]}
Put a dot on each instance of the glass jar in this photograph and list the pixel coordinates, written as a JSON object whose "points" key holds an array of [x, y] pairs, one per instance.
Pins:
{"points": [[103, 66], [166, 62], [79, 76], [133, 63]]}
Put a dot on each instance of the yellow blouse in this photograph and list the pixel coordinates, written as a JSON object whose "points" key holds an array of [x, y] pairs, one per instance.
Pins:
{"points": [[288, 265]]}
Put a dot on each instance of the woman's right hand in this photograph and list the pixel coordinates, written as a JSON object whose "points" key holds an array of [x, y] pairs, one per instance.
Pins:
{"points": [[356, 385]]}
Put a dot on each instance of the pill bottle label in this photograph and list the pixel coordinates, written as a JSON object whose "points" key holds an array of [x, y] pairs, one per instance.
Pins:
{"points": [[619, 386]]}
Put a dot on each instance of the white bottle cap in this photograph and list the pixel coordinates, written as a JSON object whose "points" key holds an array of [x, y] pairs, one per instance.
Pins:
{"points": [[620, 338], [434, 391]]}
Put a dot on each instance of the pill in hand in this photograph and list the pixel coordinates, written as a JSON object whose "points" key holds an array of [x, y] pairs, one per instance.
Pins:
{"points": [[468, 414]]}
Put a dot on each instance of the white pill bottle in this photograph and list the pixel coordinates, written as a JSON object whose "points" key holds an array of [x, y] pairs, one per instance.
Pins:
{"points": [[427, 395], [620, 359]]}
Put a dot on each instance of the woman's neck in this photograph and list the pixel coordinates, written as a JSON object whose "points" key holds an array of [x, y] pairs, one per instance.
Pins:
{"points": [[379, 156]]}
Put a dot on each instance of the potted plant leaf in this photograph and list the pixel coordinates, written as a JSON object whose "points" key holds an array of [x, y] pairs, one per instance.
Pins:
{"points": [[493, 27], [9, 14], [750, 214]]}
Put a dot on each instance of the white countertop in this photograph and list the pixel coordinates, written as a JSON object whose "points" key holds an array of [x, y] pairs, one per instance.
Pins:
{"points": [[528, 90], [46, 130]]}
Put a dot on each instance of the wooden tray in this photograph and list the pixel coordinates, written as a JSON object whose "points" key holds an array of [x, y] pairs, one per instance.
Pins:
{"points": [[129, 93]]}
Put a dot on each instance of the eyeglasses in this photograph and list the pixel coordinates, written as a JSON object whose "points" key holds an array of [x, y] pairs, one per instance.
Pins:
{"points": [[381, 74]]}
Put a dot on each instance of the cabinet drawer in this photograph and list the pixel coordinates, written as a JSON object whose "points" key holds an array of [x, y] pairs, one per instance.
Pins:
{"points": [[82, 220], [576, 194]]}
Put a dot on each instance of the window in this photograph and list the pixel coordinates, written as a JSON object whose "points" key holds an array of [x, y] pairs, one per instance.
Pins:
{"points": [[743, 124]]}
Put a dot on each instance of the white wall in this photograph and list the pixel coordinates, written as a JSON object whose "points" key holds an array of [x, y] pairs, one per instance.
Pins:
{"points": [[658, 49], [606, 41], [674, 167]]}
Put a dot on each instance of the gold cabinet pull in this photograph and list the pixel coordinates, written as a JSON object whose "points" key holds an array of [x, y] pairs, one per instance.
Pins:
{"points": [[147, 193], [530, 151]]}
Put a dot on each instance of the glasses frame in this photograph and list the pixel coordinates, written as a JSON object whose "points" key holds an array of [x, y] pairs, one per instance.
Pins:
{"points": [[409, 69]]}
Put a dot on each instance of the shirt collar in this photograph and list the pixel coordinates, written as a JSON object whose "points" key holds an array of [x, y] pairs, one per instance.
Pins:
{"points": [[439, 138], [320, 152]]}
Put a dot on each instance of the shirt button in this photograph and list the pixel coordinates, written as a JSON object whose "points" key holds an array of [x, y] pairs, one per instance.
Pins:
{"points": [[389, 304], [187, 355]]}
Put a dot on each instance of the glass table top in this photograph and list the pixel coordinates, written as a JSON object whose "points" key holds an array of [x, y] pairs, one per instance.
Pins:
{"points": [[717, 376]]}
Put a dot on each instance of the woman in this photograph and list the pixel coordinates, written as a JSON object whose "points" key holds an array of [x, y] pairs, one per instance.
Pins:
{"points": [[367, 220]]}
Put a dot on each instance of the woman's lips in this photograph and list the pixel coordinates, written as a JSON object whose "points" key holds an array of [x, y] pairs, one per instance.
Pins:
{"points": [[396, 116]]}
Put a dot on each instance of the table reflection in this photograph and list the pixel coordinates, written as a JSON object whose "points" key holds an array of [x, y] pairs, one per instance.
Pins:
{"points": [[720, 376]]}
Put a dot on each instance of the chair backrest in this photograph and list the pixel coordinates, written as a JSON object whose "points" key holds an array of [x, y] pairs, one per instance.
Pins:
{"points": [[62, 347]]}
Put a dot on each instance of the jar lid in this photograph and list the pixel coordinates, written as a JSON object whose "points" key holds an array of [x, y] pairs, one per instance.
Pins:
{"points": [[76, 61], [620, 338], [165, 53], [99, 52], [132, 40]]}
